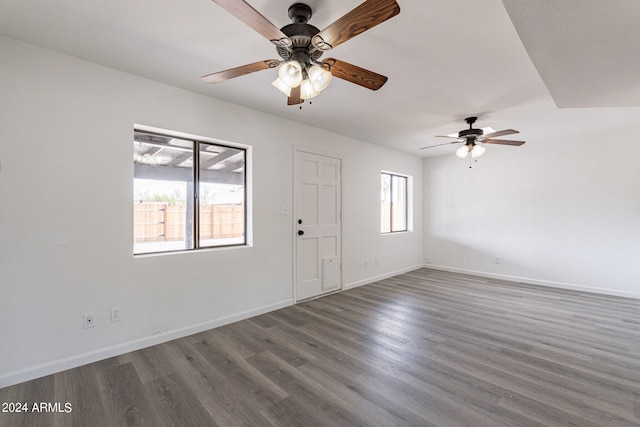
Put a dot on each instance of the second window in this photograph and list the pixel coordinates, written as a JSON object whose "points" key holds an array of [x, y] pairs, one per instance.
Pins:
{"points": [[393, 203]]}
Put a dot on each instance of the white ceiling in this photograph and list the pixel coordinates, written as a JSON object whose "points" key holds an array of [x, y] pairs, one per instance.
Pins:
{"points": [[587, 51], [445, 59]]}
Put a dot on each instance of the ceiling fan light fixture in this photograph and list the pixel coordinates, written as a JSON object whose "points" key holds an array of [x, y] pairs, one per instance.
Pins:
{"points": [[290, 73], [477, 151], [279, 84], [320, 78], [307, 90], [463, 151]]}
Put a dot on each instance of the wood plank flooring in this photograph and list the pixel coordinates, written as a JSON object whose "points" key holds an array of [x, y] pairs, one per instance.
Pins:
{"points": [[426, 348]]}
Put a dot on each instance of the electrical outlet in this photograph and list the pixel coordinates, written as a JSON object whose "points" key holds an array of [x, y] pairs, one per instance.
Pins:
{"points": [[116, 314], [366, 264], [497, 260], [87, 319], [427, 260], [376, 262]]}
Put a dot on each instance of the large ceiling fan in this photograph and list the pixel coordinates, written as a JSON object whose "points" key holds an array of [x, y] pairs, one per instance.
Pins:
{"points": [[472, 138], [300, 45]]}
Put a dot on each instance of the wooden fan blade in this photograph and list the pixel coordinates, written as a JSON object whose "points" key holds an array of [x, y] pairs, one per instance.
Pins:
{"points": [[294, 96], [500, 133], [438, 145], [503, 142], [354, 74], [247, 14], [240, 71], [447, 136], [366, 16]]}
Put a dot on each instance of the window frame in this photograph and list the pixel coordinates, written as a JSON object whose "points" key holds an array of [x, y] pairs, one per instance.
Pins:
{"points": [[407, 202], [195, 196]]}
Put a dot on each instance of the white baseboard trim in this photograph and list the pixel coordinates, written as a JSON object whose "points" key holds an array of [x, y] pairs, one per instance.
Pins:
{"points": [[59, 365], [380, 277], [530, 281]]}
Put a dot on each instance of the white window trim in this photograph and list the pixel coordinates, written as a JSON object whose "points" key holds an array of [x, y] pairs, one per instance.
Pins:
{"points": [[248, 164], [409, 203]]}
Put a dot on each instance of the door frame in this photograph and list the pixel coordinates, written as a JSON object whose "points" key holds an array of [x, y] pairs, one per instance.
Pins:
{"points": [[294, 226]]}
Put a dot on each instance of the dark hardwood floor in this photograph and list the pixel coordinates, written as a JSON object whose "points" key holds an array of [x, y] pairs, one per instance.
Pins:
{"points": [[426, 348]]}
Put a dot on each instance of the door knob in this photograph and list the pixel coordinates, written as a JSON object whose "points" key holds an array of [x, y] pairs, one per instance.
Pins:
{"points": [[300, 232]]}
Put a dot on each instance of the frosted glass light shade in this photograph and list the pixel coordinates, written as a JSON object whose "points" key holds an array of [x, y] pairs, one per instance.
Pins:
{"points": [[277, 83], [320, 78], [290, 73], [463, 151], [477, 151], [306, 89]]}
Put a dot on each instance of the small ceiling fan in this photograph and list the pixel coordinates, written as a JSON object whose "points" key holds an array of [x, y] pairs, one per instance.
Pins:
{"points": [[473, 137], [300, 45]]}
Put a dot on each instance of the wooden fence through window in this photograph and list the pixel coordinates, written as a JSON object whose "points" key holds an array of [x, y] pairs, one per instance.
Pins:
{"points": [[158, 221]]}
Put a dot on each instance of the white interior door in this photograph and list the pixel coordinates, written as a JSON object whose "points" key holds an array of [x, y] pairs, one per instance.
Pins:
{"points": [[317, 192]]}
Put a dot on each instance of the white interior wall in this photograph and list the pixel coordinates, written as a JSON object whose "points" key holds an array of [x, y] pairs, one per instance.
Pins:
{"points": [[65, 214], [561, 211]]}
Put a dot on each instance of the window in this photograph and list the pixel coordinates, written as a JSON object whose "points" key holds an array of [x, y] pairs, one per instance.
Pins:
{"points": [[188, 194], [394, 209]]}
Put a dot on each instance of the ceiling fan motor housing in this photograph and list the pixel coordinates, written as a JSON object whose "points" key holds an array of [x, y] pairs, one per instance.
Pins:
{"points": [[300, 33], [470, 133]]}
